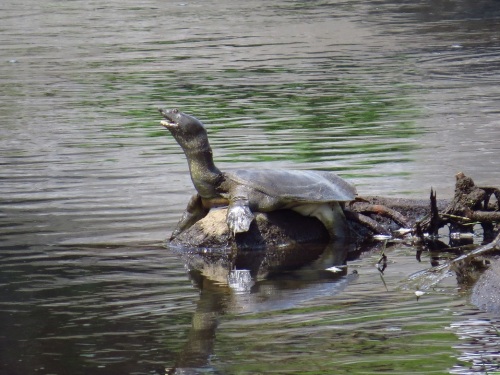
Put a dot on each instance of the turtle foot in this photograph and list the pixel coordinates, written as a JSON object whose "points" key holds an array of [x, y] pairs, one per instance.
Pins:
{"points": [[239, 219]]}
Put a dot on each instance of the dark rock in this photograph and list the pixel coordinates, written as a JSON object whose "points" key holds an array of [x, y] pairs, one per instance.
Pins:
{"points": [[486, 292], [274, 229]]}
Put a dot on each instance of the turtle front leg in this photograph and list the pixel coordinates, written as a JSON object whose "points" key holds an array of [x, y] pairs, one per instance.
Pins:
{"points": [[194, 212], [239, 216]]}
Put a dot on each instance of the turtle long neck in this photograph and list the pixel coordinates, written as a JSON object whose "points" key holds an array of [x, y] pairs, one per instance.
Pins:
{"points": [[204, 174]]}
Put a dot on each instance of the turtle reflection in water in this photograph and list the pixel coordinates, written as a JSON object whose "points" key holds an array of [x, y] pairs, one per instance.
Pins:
{"points": [[310, 193]]}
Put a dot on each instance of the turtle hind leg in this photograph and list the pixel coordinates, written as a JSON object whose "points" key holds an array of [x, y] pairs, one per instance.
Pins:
{"points": [[194, 211], [339, 227], [330, 214]]}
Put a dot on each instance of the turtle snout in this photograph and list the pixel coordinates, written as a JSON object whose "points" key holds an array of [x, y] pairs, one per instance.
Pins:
{"points": [[170, 117]]}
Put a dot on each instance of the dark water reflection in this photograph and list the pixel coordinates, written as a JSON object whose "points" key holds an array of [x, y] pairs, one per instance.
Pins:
{"points": [[394, 95]]}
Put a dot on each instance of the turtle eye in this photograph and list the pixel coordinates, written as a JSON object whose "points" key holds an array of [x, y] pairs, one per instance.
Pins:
{"points": [[175, 111]]}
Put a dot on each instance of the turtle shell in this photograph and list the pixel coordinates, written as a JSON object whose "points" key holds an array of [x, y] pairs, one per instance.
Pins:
{"points": [[296, 185]]}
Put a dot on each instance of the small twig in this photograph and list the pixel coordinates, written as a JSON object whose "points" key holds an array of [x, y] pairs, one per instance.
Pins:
{"points": [[367, 222], [382, 210], [436, 274], [493, 245], [382, 262], [455, 217]]}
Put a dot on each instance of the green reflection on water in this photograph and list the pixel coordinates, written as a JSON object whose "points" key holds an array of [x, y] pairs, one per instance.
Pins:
{"points": [[338, 339], [319, 120]]}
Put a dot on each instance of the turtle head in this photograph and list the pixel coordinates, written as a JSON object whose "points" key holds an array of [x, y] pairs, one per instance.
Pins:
{"points": [[191, 135], [176, 121], [187, 130]]}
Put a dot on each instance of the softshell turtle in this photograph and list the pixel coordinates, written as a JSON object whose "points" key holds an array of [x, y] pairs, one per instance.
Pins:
{"points": [[310, 193]]}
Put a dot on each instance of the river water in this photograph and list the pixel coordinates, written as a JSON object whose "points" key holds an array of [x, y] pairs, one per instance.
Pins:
{"points": [[396, 96]]}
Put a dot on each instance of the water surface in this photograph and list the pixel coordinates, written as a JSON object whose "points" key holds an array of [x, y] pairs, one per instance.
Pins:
{"points": [[393, 95]]}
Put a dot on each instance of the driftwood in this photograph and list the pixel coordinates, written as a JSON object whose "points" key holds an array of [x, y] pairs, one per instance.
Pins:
{"points": [[470, 205]]}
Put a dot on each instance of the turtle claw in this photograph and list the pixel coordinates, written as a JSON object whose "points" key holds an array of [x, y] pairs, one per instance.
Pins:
{"points": [[239, 219]]}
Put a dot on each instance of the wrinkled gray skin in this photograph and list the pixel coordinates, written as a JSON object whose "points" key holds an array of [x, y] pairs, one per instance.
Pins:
{"points": [[310, 193]]}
